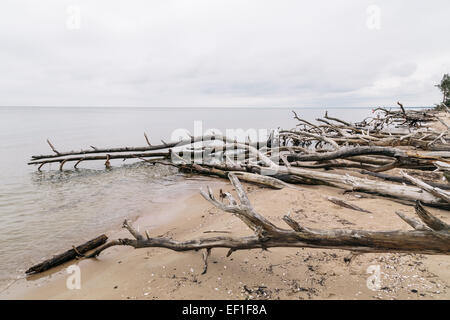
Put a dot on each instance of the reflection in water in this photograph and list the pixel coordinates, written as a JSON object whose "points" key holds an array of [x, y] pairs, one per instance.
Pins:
{"points": [[69, 207], [139, 169]]}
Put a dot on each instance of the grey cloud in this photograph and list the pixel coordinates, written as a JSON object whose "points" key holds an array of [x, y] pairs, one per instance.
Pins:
{"points": [[202, 52], [404, 69]]}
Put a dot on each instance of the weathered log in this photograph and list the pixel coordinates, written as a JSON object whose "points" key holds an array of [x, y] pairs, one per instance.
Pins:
{"points": [[262, 180], [387, 189], [68, 255], [439, 193], [348, 152], [432, 240], [284, 160], [266, 181], [431, 221], [366, 185], [344, 133], [442, 166], [392, 178], [102, 157], [162, 146]]}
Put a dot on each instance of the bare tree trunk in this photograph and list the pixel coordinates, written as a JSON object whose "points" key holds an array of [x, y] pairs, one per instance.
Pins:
{"points": [[430, 236], [68, 255]]}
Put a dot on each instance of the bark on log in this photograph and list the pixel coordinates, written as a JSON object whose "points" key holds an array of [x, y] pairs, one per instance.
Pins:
{"points": [[143, 149], [366, 185], [444, 195], [104, 157], [266, 181], [348, 152], [392, 178], [68, 255], [435, 239]]}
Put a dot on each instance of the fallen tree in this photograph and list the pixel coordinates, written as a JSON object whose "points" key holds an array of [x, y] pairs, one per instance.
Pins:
{"points": [[304, 155], [75, 252], [430, 234], [300, 155]]}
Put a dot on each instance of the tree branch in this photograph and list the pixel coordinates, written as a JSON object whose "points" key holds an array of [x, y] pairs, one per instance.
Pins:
{"points": [[434, 239]]}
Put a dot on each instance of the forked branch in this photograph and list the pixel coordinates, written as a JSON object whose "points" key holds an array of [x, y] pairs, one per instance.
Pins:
{"points": [[430, 236]]}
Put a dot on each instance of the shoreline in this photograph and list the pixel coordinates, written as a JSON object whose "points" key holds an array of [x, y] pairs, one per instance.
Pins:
{"points": [[281, 273], [25, 286]]}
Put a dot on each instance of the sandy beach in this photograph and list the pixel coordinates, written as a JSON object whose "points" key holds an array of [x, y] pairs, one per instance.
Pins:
{"points": [[281, 273], [224, 150]]}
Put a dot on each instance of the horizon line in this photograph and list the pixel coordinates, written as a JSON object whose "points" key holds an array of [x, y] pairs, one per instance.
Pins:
{"points": [[212, 107]]}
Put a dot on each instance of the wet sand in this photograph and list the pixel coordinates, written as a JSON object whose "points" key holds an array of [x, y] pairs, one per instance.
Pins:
{"points": [[281, 273]]}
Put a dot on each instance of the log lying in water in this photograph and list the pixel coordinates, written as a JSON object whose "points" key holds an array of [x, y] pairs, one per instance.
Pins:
{"points": [[106, 157], [68, 255], [150, 147], [334, 143], [367, 145]]}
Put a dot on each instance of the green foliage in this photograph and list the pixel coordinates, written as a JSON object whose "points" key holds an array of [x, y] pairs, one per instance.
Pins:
{"points": [[447, 176], [444, 86]]}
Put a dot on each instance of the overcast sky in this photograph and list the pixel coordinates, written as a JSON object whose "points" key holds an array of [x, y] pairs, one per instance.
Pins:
{"points": [[159, 53]]}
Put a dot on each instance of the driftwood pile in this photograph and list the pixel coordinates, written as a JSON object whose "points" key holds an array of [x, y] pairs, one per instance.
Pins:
{"points": [[395, 153]]}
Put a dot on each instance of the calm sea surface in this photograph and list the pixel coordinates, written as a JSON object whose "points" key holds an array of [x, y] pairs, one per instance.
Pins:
{"points": [[44, 213]]}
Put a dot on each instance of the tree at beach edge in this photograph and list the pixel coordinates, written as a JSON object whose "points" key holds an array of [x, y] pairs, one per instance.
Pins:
{"points": [[444, 87]]}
